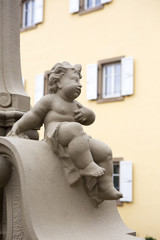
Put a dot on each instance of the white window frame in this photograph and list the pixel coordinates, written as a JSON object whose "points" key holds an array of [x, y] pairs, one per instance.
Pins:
{"points": [[30, 13], [116, 174], [113, 94], [126, 79], [34, 13], [92, 6], [125, 179], [74, 6]]}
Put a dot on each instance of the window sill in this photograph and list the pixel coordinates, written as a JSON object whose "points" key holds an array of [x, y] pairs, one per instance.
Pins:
{"points": [[114, 99], [90, 10], [28, 28]]}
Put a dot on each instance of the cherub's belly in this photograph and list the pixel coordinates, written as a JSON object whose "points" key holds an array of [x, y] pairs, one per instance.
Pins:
{"points": [[51, 126], [58, 117]]}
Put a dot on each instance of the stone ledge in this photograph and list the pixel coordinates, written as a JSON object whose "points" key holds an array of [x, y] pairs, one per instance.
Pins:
{"points": [[51, 209], [8, 118]]}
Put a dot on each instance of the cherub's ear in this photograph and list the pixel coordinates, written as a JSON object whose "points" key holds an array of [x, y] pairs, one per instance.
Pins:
{"points": [[59, 85]]}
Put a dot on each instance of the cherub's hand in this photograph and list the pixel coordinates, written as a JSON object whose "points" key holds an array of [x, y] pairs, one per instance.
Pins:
{"points": [[15, 131], [80, 115]]}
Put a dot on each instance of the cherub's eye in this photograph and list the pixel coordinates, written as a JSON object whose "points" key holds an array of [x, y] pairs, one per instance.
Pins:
{"points": [[75, 79]]}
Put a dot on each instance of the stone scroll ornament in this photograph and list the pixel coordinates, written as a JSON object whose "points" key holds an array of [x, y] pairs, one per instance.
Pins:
{"points": [[82, 156], [5, 99]]}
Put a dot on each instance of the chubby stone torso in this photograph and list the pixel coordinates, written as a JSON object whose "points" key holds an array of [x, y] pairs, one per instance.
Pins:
{"points": [[59, 111]]}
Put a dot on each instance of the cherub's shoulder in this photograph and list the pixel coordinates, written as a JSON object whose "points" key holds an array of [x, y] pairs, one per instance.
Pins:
{"points": [[46, 100]]}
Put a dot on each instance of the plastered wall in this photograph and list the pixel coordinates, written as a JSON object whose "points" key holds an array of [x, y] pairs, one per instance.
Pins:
{"points": [[130, 127]]}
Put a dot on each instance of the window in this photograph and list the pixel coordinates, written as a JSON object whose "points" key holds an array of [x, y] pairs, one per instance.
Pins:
{"points": [[28, 13], [91, 3], [85, 6], [122, 179], [31, 13], [41, 85], [110, 80], [46, 80], [116, 174]]}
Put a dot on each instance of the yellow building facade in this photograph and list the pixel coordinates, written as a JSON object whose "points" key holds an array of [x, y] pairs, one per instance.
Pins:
{"points": [[129, 124]]}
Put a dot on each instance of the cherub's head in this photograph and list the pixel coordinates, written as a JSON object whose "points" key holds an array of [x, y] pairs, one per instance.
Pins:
{"points": [[58, 70]]}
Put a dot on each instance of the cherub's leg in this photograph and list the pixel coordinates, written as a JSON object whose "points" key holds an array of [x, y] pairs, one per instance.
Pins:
{"points": [[71, 135], [102, 155]]}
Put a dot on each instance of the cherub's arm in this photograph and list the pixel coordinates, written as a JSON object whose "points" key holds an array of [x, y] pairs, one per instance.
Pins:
{"points": [[32, 119], [84, 115]]}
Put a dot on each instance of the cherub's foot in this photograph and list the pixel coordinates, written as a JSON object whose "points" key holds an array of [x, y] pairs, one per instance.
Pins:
{"points": [[92, 170], [110, 194]]}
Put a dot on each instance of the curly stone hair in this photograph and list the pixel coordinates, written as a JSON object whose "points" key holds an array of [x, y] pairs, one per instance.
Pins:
{"points": [[57, 71]]}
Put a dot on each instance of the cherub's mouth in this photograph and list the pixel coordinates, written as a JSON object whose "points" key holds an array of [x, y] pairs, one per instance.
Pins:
{"points": [[78, 91]]}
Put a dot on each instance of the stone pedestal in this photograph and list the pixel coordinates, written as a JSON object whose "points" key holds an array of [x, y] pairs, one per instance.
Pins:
{"points": [[40, 204]]}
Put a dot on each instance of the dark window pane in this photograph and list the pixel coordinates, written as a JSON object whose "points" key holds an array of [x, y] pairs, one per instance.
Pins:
{"points": [[116, 182], [116, 168], [26, 13]]}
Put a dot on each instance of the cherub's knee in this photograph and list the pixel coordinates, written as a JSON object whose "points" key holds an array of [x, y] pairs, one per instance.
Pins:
{"points": [[68, 131], [76, 129], [107, 153]]}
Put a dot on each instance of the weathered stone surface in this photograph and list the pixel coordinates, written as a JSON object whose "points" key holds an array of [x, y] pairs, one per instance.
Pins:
{"points": [[12, 93], [45, 207]]}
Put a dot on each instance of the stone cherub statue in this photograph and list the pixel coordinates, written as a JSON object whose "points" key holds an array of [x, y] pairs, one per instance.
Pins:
{"points": [[63, 118]]}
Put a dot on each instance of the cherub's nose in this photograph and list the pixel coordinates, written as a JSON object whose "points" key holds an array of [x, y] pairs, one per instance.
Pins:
{"points": [[80, 85]]}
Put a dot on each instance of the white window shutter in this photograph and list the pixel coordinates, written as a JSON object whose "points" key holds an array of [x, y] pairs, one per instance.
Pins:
{"points": [[74, 6], [39, 88], [126, 181], [38, 13], [105, 1], [23, 81], [92, 81], [127, 76]]}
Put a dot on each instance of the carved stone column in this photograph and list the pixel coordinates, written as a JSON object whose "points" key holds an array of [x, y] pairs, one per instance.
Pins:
{"points": [[13, 98], [14, 101]]}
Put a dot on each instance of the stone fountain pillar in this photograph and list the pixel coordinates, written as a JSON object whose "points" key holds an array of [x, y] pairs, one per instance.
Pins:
{"points": [[14, 101], [13, 98]]}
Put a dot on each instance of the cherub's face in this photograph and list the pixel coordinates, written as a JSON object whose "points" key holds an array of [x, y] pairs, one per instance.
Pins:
{"points": [[70, 85]]}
